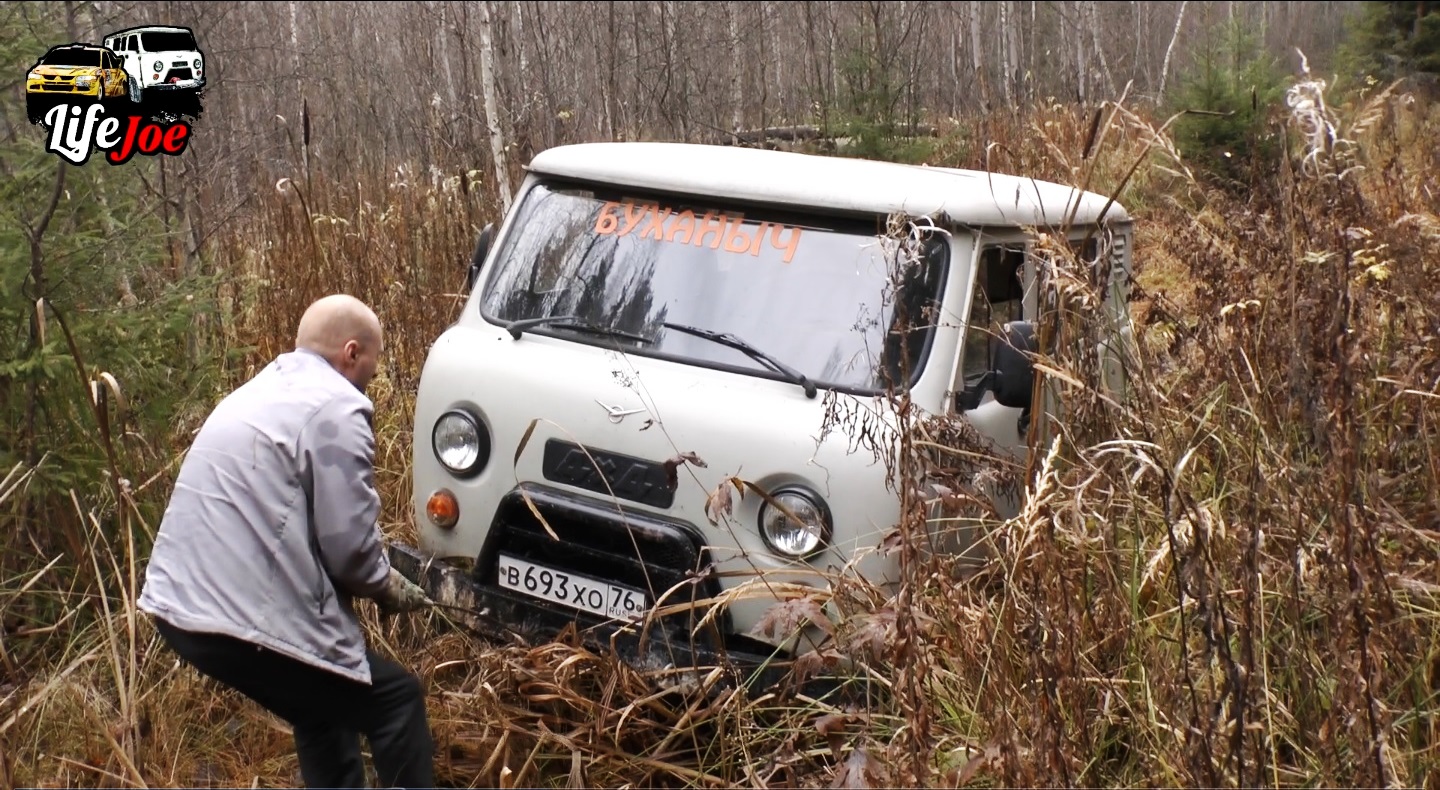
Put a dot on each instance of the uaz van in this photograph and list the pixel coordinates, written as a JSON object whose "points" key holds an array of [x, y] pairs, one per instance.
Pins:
{"points": [[160, 58], [652, 320]]}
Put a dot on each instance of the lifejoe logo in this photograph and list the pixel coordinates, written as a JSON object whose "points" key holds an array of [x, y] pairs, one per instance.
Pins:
{"points": [[136, 93]]}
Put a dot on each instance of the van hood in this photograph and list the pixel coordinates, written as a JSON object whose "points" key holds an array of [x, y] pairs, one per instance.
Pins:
{"points": [[713, 425]]}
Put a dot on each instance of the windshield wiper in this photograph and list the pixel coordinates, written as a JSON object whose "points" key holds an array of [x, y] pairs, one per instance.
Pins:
{"points": [[569, 322], [727, 339]]}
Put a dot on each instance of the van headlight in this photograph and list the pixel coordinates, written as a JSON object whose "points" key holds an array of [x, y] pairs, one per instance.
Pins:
{"points": [[796, 524], [460, 442]]}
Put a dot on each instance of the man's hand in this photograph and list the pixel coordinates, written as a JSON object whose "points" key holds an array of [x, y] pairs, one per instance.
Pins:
{"points": [[401, 595]]}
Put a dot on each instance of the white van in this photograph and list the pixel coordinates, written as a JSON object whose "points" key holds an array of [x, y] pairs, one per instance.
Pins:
{"points": [[654, 319], [160, 58]]}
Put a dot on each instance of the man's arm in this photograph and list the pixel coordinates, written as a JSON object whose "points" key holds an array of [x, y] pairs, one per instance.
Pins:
{"points": [[340, 445]]}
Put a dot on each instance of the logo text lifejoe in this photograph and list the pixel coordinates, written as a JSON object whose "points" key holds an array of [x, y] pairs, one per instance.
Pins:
{"points": [[72, 131]]}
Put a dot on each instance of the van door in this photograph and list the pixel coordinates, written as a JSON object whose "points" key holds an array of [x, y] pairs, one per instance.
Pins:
{"points": [[131, 56], [998, 296], [1008, 280]]}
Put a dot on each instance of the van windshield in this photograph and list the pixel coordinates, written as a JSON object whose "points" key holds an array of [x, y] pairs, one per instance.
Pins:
{"points": [[163, 40], [814, 293]]}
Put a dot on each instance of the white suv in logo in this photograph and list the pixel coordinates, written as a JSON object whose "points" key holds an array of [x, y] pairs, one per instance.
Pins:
{"points": [[160, 58]]}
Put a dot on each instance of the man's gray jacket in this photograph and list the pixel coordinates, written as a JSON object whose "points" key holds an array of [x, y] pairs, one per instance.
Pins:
{"points": [[272, 527]]}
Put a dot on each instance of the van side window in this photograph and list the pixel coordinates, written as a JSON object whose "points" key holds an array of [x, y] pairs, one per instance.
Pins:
{"points": [[998, 298]]}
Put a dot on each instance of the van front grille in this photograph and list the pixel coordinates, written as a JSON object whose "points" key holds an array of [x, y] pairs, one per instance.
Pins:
{"points": [[632, 549]]}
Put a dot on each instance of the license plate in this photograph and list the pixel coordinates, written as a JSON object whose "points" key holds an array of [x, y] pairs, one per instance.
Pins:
{"points": [[571, 589]]}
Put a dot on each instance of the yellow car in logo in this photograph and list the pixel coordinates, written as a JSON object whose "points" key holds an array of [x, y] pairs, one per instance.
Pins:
{"points": [[76, 73]]}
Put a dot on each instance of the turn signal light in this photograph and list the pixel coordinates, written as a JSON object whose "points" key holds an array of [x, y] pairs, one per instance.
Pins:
{"points": [[442, 509]]}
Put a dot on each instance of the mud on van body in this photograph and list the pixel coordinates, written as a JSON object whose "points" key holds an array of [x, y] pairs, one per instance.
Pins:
{"points": [[654, 319]]}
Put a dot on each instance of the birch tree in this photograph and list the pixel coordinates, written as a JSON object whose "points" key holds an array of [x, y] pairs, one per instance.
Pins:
{"points": [[492, 110], [1169, 52]]}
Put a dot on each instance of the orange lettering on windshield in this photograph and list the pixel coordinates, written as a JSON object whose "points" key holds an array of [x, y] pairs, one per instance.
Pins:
{"points": [[715, 229]]}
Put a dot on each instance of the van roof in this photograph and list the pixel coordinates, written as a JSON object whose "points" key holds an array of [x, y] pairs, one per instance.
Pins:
{"points": [[151, 29], [846, 184]]}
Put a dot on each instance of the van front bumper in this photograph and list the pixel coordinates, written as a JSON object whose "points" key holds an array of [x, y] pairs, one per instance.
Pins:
{"points": [[506, 617], [182, 85]]}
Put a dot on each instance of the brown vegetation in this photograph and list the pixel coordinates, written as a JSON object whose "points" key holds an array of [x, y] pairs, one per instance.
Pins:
{"points": [[1229, 580]]}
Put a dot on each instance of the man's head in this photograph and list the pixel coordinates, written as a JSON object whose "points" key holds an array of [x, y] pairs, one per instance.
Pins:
{"points": [[346, 332]]}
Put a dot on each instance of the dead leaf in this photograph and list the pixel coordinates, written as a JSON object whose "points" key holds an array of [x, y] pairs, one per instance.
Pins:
{"points": [[873, 634], [534, 511], [831, 726], [966, 773], [672, 467], [859, 771], [786, 617], [719, 503], [892, 542], [525, 439], [811, 664]]}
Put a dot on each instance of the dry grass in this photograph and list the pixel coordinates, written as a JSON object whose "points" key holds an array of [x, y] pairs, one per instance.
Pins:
{"points": [[1229, 580]]}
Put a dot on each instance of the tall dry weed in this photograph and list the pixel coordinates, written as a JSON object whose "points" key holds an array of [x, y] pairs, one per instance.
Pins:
{"points": [[1228, 579]]}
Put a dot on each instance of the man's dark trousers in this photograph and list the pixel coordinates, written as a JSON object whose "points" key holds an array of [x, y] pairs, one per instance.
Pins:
{"points": [[327, 712]]}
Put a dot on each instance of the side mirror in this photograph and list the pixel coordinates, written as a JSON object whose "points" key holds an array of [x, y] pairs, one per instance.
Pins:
{"points": [[477, 259], [1014, 372]]}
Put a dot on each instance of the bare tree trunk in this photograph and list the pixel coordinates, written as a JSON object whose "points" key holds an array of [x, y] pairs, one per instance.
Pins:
{"points": [[1030, 50], [294, 36], [611, 124], [976, 64], [832, 67], [548, 90], [442, 33], [1098, 46], [518, 9], [1138, 66], [771, 11], [1007, 73], [954, 72], [1077, 33], [295, 72], [635, 121], [1170, 51], [737, 69], [492, 112], [672, 69], [1012, 40], [813, 50]]}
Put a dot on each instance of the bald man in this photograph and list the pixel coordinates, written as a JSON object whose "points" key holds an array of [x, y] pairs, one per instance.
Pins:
{"points": [[270, 535]]}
